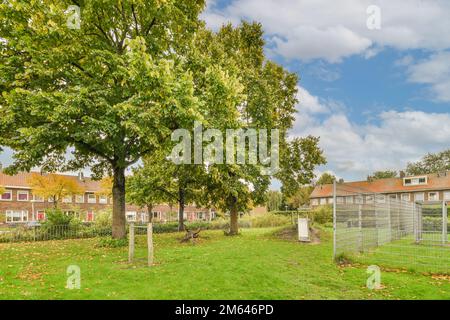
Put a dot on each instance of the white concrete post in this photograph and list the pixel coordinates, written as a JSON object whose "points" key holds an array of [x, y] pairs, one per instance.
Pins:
{"points": [[334, 220]]}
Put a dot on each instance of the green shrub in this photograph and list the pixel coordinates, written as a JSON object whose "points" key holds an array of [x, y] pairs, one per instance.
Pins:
{"points": [[264, 220], [103, 219], [322, 214], [109, 242], [55, 217]]}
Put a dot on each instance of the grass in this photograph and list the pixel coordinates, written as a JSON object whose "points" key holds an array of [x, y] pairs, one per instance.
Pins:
{"points": [[254, 265]]}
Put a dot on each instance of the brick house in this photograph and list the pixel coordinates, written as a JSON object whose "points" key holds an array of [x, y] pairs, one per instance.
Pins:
{"points": [[19, 205], [428, 187]]}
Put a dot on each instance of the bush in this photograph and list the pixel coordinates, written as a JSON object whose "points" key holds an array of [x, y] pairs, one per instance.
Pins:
{"points": [[55, 217], [112, 243], [103, 219], [322, 215], [264, 220]]}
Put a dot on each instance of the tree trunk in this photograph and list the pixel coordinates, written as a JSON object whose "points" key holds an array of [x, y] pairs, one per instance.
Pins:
{"points": [[150, 213], [181, 210], [234, 216], [118, 223]]}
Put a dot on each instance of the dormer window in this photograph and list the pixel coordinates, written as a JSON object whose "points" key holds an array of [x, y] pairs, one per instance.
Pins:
{"points": [[415, 181]]}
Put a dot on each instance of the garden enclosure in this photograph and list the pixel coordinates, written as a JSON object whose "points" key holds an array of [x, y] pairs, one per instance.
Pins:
{"points": [[387, 231]]}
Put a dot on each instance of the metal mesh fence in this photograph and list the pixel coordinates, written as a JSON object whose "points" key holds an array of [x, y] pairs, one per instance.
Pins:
{"points": [[384, 230]]}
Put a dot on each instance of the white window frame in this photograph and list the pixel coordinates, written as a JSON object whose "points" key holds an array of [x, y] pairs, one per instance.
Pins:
{"points": [[323, 201], [340, 199], [37, 213], [23, 213], [359, 199], [103, 199], [381, 198], [37, 198], [90, 200], [23, 192], [79, 198], [349, 199], [417, 193], [404, 195], [446, 195], [393, 197], [369, 199], [415, 181], [314, 202], [435, 192], [131, 213], [9, 191], [67, 199]]}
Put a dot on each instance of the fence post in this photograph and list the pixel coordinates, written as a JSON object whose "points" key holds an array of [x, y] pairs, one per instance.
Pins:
{"points": [[444, 222], [131, 243], [334, 220], [389, 226], [360, 234], [150, 243]]}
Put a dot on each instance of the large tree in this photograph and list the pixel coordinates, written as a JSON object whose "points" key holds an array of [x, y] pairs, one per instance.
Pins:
{"points": [[110, 92], [431, 163], [326, 178], [268, 103]]}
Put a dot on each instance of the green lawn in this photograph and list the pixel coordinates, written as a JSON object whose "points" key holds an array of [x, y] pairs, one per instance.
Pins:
{"points": [[255, 265]]}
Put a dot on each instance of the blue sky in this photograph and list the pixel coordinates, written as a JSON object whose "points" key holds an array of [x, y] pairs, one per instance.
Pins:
{"points": [[376, 98]]}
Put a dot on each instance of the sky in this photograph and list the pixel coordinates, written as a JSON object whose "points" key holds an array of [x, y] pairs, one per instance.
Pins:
{"points": [[378, 96]]}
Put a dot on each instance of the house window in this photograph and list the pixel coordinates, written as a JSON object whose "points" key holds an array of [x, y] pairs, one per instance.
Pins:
{"points": [[314, 202], [200, 215], [330, 200], [419, 196], [414, 181], [73, 214], [393, 197], [40, 215], [406, 197], [16, 216], [340, 199], [349, 199], [381, 198], [369, 199], [447, 195], [37, 198], [323, 200], [131, 215], [91, 198], [156, 214], [22, 195], [433, 196], [359, 199], [67, 199], [79, 198], [103, 199], [7, 196], [50, 199], [144, 217], [90, 216]]}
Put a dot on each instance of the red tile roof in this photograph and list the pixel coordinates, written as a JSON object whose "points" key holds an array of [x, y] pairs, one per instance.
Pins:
{"points": [[20, 180], [391, 185]]}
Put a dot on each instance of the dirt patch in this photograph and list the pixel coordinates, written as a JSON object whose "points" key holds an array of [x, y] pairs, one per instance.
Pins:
{"points": [[291, 234]]}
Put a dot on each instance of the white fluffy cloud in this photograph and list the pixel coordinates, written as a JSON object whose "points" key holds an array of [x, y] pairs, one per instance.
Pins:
{"points": [[333, 30], [434, 71], [354, 151]]}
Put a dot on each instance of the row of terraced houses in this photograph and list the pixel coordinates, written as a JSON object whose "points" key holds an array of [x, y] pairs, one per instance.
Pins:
{"points": [[423, 188], [18, 204]]}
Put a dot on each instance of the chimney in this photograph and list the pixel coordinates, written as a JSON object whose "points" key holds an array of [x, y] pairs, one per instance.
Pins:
{"points": [[81, 176], [402, 174]]}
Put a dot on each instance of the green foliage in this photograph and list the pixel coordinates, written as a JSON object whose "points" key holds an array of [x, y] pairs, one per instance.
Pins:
{"points": [[103, 219], [55, 217], [322, 214], [109, 242], [274, 200], [431, 163], [300, 197], [326, 178], [382, 175]]}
